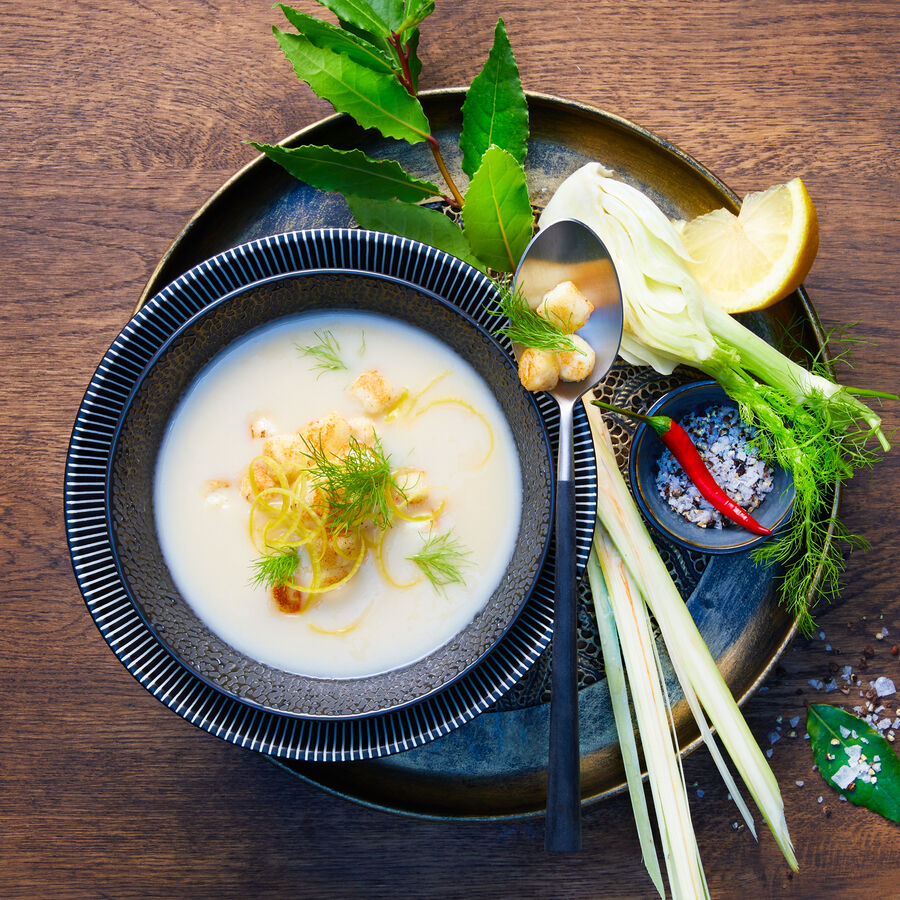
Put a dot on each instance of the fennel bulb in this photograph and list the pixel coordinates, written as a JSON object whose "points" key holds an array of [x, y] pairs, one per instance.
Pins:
{"points": [[810, 425]]}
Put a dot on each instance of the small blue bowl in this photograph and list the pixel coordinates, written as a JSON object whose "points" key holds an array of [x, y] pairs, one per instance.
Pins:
{"points": [[646, 450]]}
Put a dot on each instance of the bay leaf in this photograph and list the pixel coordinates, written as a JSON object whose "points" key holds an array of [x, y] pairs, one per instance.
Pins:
{"points": [[415, 12], [834, 735], [350, 172], [376, 40], [417, 222], [374, 99], [495, 110], [415, 64], [330, 37], [391, 11], [358, 13], [497, 218]]}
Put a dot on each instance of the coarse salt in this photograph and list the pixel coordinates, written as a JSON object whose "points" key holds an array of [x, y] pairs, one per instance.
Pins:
{"points": [[721, 439], [844, 777]]}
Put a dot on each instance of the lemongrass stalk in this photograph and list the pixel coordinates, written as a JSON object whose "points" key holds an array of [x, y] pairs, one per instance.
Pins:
{"points": [[619, 515], [709, 739], [618, 694], [667, 787]]}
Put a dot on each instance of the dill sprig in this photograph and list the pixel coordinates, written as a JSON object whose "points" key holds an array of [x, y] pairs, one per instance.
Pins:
{"points": [[525, 326], [273, 569], [801, 436], [358, 485], [442, 559], [326, 353]]}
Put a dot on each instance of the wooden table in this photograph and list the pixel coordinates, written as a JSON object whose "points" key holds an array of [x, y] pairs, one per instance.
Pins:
{"points": [[120, 119]]}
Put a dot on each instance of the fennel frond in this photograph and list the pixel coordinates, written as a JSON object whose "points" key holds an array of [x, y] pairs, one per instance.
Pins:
{"points": [[525, 326], [273, 569], [358, 486], [326, 353], [442, 559]]}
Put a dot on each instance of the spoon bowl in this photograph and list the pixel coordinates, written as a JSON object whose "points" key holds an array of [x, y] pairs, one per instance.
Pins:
{"points": [[568, 250]]}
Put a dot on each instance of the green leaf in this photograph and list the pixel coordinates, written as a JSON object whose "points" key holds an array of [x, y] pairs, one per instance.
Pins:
{"points": [[415, 12], [360, 14], [350, 172], [330, 37], [497, 217], [835, 736], [417, 222], [495, 110], [376, 40], [391, 11], [415, 64], [375, 100]]}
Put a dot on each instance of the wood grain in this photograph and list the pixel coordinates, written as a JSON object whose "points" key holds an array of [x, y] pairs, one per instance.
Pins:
{"points": [[121, 118]]}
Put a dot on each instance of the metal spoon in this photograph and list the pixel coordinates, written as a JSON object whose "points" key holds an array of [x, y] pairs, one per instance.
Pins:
{"points": [[569, 250]]}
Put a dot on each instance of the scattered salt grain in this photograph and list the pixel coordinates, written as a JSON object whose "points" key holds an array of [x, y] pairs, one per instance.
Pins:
{"points": [[828, 647], [774, 737], [846, 672], [821, 635], [844, 777], [795, 720], [884, 687], [769, 752], [831, 686], [799, 783], [815, 683], [819, 800], [700, 793], [845, 732], [843, 798]]}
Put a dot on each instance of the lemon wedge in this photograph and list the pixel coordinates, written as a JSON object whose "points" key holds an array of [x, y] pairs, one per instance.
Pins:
{"points": [[756, 258]]}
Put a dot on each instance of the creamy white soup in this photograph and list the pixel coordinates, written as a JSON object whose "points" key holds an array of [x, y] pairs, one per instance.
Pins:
{"points": [[441, 422]]}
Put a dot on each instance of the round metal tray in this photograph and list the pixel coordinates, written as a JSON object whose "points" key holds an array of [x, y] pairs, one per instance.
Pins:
{"points": [[495, 766]]}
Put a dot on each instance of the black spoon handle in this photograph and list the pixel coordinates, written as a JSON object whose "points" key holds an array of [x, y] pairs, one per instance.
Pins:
{"points": [[563, 830]]}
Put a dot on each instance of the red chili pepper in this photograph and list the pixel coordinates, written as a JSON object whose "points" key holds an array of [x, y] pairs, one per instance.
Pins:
{"points": [[683, 449]]}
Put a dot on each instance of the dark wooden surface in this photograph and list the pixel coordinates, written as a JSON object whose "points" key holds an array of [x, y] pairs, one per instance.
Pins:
{"points": [[120, 118]]}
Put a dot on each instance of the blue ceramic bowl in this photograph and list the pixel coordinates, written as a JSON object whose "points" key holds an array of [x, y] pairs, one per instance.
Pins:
{"points": [[646, 450], [111, 528]]}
